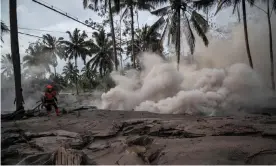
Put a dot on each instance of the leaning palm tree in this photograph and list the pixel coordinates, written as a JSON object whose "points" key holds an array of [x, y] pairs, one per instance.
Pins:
{"points": [[71, 74], [110, 13], [101, 50], [76, 46], [52, 47], [129, 6], [235, 3], [6, 65], [4, 29], [173, 22]]}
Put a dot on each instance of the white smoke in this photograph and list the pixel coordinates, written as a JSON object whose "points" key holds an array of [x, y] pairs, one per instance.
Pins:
{"points": [[220, 81], [162, 89]]}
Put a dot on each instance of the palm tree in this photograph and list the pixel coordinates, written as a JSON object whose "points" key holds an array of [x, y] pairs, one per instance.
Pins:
{"points": [[150, 39], [235, 3], [36, 57], [76, 46], [6, 63], [173, 24], [101, 50], [59, 81], [4, 29], [85, 5], [88, 78], [52, 47], [15, 55], [129, 6], [146, 39], [71, 74]]}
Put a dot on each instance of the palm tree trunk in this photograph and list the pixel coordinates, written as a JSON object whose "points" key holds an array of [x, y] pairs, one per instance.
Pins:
{"points": [[55, 71], [76, 77], [137, 18], [270, 47], [239, 15], [121, 41], [246, 33], [207, 15], [178, 38], [113, 35], [15, 54], [132, 37]]}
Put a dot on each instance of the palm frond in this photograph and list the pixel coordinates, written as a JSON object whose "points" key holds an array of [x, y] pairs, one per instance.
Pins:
{"points": [[157, 25], [162, 11], [145, 7], [199, 30], [189, 33], [157, 2], [222, 4], [202, 4], [200, 20], [124, 13]]}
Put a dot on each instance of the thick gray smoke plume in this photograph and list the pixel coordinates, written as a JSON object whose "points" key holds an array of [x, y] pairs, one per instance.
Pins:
{"points": [[220, 80]]}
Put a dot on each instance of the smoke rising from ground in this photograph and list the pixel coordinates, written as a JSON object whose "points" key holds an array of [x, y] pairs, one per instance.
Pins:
{"points": [[220, 80]]}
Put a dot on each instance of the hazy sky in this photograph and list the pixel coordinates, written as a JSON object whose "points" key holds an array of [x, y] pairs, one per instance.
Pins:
{"points": [[34, 16]]}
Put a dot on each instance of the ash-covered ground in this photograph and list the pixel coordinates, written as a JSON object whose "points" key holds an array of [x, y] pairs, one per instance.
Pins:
{"points": [[137, 137]]}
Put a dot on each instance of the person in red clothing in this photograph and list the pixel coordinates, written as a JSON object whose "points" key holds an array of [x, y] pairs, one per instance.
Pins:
{"points": [[50, 99]]}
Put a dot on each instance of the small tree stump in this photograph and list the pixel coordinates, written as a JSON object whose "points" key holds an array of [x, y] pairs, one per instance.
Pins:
{"points": [[67, 157]]}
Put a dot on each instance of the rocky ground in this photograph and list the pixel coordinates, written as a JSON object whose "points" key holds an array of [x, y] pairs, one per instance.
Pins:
{"points": [[127, 137]]}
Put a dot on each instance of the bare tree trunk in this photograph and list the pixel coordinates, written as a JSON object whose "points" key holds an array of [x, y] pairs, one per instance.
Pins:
{"points": [[246, 33], [113, 35], [178, 38], [270, 47], [15, 54], [132, 37]]}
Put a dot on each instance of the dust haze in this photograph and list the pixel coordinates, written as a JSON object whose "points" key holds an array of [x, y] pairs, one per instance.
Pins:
{"points": [[220, 81]]}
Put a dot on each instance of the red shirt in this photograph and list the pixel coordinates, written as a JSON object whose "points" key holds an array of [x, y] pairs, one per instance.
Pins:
{"points": [[50, 95]]}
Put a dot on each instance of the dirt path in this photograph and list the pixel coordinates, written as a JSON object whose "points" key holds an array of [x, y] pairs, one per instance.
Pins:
{"points": [[125, 137]]}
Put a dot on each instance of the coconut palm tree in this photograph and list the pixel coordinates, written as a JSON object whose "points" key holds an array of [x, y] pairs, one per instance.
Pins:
{"points": [[110, 13], [173, 22], [129, 7], [59, 81], [101, 49], [52, 47], [71, 74], [37, 59], [88, 79], [76, 46], [15, 54], [235, 3], [146, 39], [150, 39], [6, 65], [4, 29]]}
